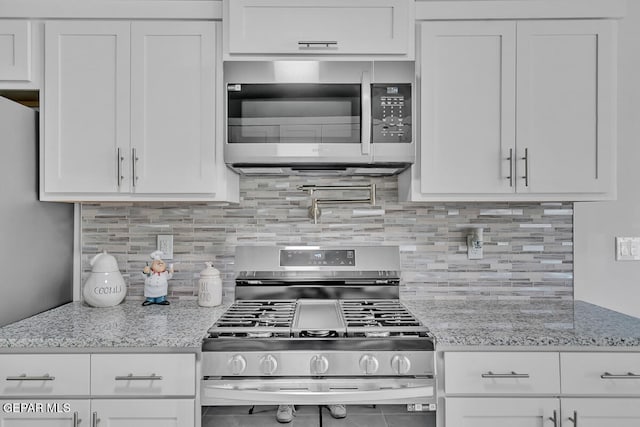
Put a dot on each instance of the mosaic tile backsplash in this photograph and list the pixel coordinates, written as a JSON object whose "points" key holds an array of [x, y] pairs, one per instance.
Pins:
{"points": [[528, 247]]}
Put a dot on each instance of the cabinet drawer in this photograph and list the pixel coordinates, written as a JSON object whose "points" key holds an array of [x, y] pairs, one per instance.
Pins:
{"points": [[44, 375], [143, 374], [318, 27], [501, 373], [600, 373]]}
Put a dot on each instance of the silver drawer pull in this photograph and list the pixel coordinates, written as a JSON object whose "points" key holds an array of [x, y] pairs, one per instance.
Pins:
{"points": [[24, 377], [317, 44], [508, 375], [132, 377], [627, 376]]}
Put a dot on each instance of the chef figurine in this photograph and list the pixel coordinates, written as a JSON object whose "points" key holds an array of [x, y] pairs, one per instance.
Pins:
{"points": [[156, 280]]}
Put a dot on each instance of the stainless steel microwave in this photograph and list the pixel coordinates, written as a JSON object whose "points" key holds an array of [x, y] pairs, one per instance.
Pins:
{"points": [[310, 117]]}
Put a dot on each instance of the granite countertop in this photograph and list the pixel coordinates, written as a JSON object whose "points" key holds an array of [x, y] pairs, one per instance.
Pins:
{"points": [[182, 325], [561, 324]]}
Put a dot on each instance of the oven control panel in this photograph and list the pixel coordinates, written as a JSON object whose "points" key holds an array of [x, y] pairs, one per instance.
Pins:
{"points": [[317, 257], [391, 112]]}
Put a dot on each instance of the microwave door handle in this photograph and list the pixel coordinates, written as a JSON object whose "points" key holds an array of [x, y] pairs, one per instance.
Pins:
{"points": [[365, 125]]}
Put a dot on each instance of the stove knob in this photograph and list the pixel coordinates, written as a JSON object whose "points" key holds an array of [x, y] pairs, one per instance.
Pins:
{"points": [[268, 364], [237, 364], [400, 364], [369, 364], [319, 365]]}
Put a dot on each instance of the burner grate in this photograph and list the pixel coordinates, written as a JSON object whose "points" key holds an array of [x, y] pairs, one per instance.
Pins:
{"points": [[256, 318]]}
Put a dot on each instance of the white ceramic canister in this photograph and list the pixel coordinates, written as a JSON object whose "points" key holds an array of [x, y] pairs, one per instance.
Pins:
{"points": [[105, 286], [209, 287]]}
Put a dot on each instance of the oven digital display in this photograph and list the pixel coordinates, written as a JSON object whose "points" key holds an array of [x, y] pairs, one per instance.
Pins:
{"points": [[317, 257]]}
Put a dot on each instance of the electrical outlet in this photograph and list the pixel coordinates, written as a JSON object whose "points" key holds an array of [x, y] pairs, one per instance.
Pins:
{"points": [[165, 244], [627, 248], [474, 248]]}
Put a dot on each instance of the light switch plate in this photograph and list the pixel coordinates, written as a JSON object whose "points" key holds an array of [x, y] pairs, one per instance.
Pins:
{"points": [[627, 248]]}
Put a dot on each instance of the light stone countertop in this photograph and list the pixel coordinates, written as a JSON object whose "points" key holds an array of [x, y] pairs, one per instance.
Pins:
{"points": [[181, 326], [538, 324], [129, 326]]}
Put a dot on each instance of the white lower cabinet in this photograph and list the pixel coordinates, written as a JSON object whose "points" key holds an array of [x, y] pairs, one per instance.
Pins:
{"points": [[601, 412], [45, 413], [542, 389], [143, 412], [98, 390], [501, 412]]}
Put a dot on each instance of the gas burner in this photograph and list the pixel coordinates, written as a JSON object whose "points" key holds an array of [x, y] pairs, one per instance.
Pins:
{"points": [[318, 334]]}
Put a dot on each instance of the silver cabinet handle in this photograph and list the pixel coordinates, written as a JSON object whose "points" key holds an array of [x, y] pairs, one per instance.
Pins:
{"points": [[25, 377], [131, 377], [365, 98], [134, 159], [526, 167], [76, 420], [574, 420], [510, 158], [627, 376], [507, 375], [554, 418], [94, 419], [318, 44], [120, 160]]}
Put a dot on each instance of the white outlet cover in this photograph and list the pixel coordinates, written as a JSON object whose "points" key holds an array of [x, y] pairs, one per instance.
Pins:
{"points": [[165, 244], [627, 248]]}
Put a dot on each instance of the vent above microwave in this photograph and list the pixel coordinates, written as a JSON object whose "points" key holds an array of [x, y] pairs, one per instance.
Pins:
{"points": [[321, 169]]}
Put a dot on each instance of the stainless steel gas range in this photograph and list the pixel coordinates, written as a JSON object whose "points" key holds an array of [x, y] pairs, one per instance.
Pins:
{"points": [[318, 326]]}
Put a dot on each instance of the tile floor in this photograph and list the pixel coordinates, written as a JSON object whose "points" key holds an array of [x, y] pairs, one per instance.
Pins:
{"points": [[316, 416]]}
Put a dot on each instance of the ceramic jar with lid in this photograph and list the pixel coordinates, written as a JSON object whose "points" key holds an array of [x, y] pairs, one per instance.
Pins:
{"points": [[209, 287], [105, 286]]}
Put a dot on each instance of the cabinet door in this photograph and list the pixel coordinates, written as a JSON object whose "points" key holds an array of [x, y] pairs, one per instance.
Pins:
{"points": [[15, 49], [44, 375], [172, 106], [315, 27], [86, 106], [467, 101], [501, 373], [44, 413], [144, 413], [501, 412], [588, 412], [566, 106], [610, 374], [143, 375]]}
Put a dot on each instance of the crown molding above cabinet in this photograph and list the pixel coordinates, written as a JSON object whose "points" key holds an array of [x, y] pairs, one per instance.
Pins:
{"points": [[112, 9], [519, 9]]}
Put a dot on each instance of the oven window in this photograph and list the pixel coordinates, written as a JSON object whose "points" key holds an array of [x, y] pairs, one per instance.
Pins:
{"points": [[293, 113], [317, 415]]}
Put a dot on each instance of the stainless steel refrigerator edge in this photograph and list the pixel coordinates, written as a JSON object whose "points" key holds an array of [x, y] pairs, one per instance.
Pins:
{"points": [[36, 253]]}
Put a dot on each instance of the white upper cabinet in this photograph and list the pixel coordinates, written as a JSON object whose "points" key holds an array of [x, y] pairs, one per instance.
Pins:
{"points": [[467, 96], [172, 107], [86, 106], [515, 110], [15, 49], [130, 111], [318, 27], [566, 106]]}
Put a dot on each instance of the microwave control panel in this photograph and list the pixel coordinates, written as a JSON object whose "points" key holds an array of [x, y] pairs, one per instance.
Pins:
{"points": [[391, 112]]}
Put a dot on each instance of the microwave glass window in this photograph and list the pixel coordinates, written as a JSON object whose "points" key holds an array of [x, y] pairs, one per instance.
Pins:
{"points": [[294, 113]]}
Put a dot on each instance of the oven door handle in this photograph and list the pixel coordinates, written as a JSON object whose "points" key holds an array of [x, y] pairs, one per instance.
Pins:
{"points": [[213, 394]]}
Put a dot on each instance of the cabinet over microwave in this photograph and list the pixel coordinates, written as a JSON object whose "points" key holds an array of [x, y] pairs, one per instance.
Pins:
{"points": [[309, 117]]}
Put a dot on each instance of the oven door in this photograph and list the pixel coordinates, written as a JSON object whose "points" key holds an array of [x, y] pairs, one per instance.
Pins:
{"points": [[369, 401]]}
